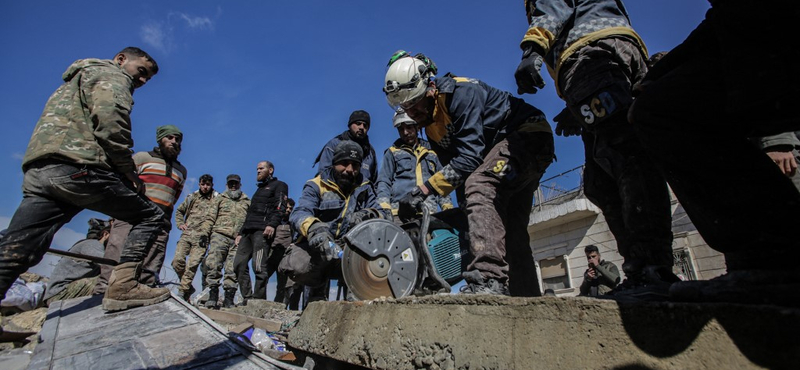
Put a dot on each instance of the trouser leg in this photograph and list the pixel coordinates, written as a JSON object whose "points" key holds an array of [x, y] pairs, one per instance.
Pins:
{"points": [[218, 253], [619, 176], [53, 194], [513, 167], [522, 278], [116, 240], [293, 293], [75, 289], [151, 265], [739, 201], [29, 234], [260, 257], [154, 260], [182, 249], [275, 255], [622, 180], [229, 279], [240, 264], [193, 262]]}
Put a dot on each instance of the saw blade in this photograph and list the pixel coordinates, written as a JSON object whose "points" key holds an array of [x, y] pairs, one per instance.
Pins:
{"points": [[380, 260], [366, 278]]}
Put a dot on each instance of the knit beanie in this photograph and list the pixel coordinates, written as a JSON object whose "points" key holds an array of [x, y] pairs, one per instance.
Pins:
{"points": [[359, 115], [163, 131], [347, 150]]}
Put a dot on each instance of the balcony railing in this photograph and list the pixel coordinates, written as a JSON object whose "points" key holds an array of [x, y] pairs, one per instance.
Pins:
{"points": [[559, 188]]}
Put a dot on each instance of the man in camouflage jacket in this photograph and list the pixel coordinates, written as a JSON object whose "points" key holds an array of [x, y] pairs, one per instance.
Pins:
{"points": [[193, 243], [79, 157], [223, 220]]}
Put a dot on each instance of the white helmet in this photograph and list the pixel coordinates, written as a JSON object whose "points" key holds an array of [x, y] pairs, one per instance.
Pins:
{"points": [[406, 81], [401, 118]]}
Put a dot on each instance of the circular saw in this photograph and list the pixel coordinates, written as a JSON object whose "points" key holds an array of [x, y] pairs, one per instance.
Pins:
{"points": [[379, 260]]}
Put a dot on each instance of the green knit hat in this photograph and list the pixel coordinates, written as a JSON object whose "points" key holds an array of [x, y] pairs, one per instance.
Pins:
{"points": [[163, 131]]}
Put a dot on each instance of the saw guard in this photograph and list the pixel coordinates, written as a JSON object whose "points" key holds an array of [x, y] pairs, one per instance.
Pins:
{"points": [[369, 245]]}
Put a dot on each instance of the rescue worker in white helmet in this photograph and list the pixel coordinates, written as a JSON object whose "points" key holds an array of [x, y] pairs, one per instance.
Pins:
{"points": [[494, 148], [408, 163]]}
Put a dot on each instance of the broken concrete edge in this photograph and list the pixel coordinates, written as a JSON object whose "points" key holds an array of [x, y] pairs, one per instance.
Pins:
{"points": [[461, 331], [247, 352]]}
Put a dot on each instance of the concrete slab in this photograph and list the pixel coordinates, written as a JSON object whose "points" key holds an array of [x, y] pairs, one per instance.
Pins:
{"points": [[490, 332], [78, 334]]}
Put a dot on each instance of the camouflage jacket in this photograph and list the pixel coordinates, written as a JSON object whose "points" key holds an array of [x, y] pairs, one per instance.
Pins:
{"points": [[87, 120], [226, 215], [192, 212]]}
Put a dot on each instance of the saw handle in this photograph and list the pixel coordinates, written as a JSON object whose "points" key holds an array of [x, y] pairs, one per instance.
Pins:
{"points": [[423, 246]]}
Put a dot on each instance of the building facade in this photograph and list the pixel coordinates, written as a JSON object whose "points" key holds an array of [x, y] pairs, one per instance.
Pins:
{"points": [[562, 223]]}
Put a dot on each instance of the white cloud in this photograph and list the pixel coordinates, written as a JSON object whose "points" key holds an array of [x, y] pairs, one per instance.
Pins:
{"points": [[18, 156], [196, 22], [161, 35], [155, 35]]}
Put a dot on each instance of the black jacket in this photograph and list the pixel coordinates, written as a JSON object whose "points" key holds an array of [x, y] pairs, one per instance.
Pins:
{"points": [[267, 206]]}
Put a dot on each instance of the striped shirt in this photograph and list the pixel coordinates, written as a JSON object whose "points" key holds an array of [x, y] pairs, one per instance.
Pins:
{"points": [[163, 181]]}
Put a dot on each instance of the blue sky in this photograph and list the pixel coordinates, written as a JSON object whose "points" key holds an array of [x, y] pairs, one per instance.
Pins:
{"points": [[254, 80]]}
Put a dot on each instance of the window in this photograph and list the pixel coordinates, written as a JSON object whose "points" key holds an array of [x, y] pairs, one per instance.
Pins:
{"points": [[554, 273], [682, 266]]}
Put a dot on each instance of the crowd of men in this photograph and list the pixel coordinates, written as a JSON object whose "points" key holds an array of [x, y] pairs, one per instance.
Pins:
{"points": [[689, 120]]}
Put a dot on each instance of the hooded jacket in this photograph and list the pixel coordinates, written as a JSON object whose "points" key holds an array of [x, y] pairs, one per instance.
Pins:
{"points": [[323, 200], [369, 165], [87, 120]]}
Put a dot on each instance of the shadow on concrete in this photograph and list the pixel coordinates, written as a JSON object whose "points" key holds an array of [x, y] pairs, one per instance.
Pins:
{"points": [[633, 367], [84, 304], [766, 335], [217, 356]]}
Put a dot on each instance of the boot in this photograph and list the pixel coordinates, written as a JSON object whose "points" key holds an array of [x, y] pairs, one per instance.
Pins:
{"points": [[228, 301], [213, 298], [477, 284], [124, 290], [187, 294]]}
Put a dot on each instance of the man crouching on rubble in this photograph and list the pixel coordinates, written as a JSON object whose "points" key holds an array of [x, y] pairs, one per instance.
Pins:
{"points": [[331, 203], [79, 157]]}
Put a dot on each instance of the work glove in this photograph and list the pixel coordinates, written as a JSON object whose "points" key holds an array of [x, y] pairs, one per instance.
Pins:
{"points": [[410, 204], [203, 241], [567, 124], [362, 215], [319, 236], [529, 80]]}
